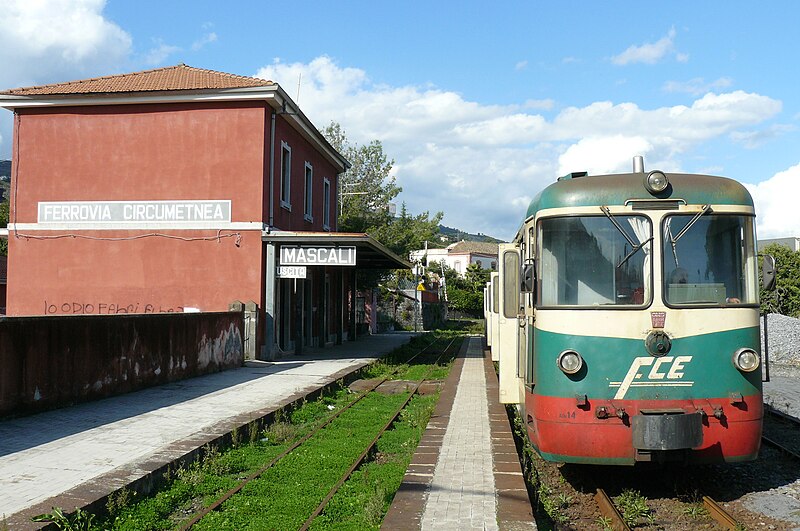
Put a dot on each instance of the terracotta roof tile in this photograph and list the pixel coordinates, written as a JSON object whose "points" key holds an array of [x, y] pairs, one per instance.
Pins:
{"points": [[178, 77], [474, 247]]}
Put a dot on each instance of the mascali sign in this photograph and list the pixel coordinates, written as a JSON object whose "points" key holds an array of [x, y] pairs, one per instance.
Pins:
{"points": [[342, 256]]}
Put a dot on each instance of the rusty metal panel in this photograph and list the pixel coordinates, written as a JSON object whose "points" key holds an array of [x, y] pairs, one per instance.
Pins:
{"points": [[50, 362]]}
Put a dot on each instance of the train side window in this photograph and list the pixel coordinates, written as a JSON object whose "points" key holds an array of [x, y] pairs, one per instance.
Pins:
{"points": [[510, 284]]}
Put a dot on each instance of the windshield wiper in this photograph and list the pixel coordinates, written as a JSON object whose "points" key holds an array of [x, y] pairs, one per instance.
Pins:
{"points": [[634, 246], [673, 240]]}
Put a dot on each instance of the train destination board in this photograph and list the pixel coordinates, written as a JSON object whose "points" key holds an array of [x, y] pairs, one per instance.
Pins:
{"points": [[342, 256]]}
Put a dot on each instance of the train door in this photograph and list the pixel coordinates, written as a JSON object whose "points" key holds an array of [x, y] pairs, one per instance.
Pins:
{"points": [[495, 310], [525, 350], [508, 328], [486, 328]]}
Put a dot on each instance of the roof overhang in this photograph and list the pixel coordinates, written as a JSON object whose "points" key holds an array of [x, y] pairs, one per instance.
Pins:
{"points": [[370, 253], [273, 95]]}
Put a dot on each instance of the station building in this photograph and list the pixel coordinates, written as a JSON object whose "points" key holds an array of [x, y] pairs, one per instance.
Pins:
{"points": [[181, 189]]}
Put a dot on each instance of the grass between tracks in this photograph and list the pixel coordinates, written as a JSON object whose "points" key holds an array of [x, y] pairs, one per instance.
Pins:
{"points": [[288, 492]]}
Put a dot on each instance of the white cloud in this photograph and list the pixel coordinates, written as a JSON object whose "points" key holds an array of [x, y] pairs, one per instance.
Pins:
{"points": [[649, 53], [46, 41], [522, 65], [544, 105], [756, 138], [481, 164], [56, 40], [776, 204], [156, 55], [202, 41], [697, 85], [601, 155]]}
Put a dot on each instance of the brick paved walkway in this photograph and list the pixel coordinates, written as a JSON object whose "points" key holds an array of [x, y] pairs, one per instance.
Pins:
{"points": [[462, 493]]}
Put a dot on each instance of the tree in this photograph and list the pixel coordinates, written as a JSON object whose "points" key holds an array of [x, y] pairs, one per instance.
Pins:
{"points": [[4, 223], [785, 298], [476, 277], [406, 232], [366, 188], [464, 293]]}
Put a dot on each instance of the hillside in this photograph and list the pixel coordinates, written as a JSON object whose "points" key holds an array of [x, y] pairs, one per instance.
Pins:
{"points": [[451, 235]]}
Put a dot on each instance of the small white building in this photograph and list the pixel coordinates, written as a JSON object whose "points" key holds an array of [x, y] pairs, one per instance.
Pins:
{"points": [[460, 255], [791, 242]]}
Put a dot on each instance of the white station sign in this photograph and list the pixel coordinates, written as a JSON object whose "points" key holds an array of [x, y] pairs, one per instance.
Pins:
{"points": [[302, 256], [175, 212], [292, 271]]}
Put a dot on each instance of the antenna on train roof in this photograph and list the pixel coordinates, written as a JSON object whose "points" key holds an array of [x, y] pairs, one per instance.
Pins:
{"points": [[638, 164]]}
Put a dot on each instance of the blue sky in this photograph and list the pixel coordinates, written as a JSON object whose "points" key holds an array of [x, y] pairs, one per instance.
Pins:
{"points": [[480, 104]]}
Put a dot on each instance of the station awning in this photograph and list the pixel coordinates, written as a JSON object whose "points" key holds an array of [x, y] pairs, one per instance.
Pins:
{"points": [[370, 253]]}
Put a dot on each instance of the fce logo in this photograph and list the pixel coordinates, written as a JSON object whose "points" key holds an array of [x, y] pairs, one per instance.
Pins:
{"points": [[664, 372]]}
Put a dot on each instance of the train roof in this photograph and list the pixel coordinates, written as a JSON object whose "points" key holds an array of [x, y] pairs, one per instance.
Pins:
{"points": [[576, 190]]}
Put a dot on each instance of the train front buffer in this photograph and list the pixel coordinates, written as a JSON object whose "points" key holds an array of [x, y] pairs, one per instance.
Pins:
{"points": [[620, 401]]}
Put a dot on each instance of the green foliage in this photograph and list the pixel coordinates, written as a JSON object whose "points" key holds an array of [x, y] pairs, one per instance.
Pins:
{"points": [[785, 298], [476, 277], [407, 232], [468, 302], [367, 188], [633, 507], [80, 520]]}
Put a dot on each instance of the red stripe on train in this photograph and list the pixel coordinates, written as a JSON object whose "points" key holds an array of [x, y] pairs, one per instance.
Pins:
{"points": [[561, 427]]}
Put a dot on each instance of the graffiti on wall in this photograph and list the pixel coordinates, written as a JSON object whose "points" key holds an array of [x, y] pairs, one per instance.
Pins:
{"points": [[106, 308], [223, 350]]}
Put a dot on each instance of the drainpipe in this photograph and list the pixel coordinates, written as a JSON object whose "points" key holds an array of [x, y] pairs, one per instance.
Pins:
{"points": [[272, 172]]}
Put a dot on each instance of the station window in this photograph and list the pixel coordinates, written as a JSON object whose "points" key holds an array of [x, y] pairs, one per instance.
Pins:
{"points": [[286, 175], [326, 204], [309, 190]]}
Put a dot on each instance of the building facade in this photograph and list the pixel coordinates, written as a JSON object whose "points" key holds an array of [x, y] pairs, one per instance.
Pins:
{"points": [[173, 190], [460, 255]]}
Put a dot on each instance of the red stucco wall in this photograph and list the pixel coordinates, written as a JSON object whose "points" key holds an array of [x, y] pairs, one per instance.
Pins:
{"points": [[302, 151], [141, 152], [137, 152], [151, 274]]}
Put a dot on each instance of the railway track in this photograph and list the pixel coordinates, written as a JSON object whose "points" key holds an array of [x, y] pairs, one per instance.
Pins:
{"points": [[615, 520], [427, 351], [782, 432]]}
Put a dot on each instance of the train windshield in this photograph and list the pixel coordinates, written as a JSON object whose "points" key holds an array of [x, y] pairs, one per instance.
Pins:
{"points": [[593, 261], [713, 262]]}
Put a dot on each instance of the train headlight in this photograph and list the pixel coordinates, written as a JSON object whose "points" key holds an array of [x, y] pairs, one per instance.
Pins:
{"points": [[570, 362], [745, 359], [656, 182]]}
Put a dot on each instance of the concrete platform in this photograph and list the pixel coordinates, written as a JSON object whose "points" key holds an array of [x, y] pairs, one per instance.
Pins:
{"points": [[465, 473], [75, 456]]}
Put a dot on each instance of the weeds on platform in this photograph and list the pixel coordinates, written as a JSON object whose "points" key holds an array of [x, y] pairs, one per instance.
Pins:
{"points": [[363, 500], [292, 488]]}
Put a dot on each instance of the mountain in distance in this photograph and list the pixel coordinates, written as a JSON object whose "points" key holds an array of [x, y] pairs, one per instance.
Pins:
{"points": [[449, 235]]}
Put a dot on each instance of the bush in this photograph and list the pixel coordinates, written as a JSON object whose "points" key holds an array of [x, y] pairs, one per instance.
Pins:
{"points": [[785, 298], [466, 301]]}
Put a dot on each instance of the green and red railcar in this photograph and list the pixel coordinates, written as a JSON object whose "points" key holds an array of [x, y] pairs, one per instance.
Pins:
{"points": [[629, 320]]}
